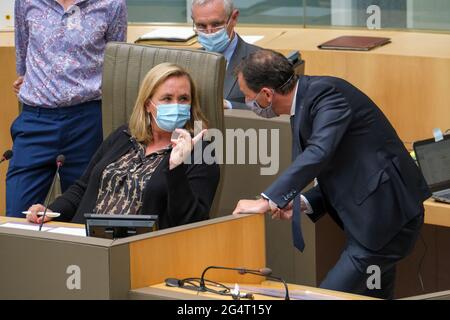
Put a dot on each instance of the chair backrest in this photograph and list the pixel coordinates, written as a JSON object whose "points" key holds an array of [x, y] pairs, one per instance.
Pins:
{"points": [[125, 66]]}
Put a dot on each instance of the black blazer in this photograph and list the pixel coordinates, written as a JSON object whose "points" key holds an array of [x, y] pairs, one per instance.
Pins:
{"points": [[367, 180], [231, 90], [179, 196]]}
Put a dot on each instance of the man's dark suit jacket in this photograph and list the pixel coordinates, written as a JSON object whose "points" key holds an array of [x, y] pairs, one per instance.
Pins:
{"points": [[367, 180], [231, 91]]}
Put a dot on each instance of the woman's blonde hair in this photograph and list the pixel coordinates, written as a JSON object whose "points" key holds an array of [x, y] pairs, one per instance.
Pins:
{"points": [[140, 122]]}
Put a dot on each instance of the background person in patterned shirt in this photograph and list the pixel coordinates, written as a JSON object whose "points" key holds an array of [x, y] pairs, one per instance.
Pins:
{"points": [[138, 169], [59, 59]]}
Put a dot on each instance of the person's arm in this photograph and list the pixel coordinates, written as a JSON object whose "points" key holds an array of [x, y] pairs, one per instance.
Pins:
{"points": [[331, 116], [117, 29], [67, 204], [315, 201], [191, 190], [21, 35]]}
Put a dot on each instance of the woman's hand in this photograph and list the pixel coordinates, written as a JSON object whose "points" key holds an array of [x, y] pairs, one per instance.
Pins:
{"points": [[33, 215], [182, 147]]}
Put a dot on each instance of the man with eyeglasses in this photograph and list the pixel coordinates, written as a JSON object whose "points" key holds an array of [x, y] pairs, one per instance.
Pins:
{"points": [[214, 22], [366, 180]]}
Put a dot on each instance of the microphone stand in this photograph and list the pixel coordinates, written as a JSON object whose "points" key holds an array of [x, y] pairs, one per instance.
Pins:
{"points": [[59, 164]]}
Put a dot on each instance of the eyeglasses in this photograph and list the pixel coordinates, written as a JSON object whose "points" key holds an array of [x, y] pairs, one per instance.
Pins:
{"points": [[213, 29]]}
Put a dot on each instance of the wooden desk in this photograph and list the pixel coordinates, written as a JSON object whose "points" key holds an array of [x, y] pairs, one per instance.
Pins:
{"points": [[437, 213], [269, 35], [161, 291]]}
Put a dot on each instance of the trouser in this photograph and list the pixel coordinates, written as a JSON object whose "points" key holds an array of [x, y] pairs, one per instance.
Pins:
{"points": [[41, 134], [372, 273]]}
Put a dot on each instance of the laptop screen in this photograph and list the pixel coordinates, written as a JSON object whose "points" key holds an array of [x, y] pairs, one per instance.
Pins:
{"points": [[434, 161]]}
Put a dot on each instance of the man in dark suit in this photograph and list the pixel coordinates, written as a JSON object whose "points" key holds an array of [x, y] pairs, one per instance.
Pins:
{"points": [[214, 22], [366, 179]]}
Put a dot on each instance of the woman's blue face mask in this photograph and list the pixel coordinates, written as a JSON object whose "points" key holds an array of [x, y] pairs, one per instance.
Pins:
{"points": [[172, 116]]}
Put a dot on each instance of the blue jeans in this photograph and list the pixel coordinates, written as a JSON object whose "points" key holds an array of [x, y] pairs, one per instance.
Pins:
{"points": [[39, 135]]}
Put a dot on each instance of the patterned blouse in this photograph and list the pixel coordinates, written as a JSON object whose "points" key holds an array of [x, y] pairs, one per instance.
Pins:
{"points": [[123, 182]]}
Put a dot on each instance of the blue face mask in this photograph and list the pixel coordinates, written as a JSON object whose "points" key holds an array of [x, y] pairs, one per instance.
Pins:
{"points": [[215, 42], [172, 116]]}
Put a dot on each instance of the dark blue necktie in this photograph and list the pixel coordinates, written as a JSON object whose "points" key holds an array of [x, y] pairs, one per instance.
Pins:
{"points": [[296, 219], [297, 236]]}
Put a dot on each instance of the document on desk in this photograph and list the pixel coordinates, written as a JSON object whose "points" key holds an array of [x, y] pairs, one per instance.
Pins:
{"points": [[13, 225], [293, 294], [252, 39], [81, 232], [169, 34], [70, 231]]}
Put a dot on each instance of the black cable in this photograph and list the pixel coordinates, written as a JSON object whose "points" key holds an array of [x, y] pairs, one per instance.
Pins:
{"points": [[419, 274]]}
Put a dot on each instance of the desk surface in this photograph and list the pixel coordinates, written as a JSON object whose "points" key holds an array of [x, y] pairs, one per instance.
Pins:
{"points": [[432, 45], [437, 213], [161, 291], [403, 43]]}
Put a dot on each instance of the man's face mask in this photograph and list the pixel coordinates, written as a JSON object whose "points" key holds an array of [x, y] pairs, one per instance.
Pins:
{"points": [[266, 112], [215, 42]]}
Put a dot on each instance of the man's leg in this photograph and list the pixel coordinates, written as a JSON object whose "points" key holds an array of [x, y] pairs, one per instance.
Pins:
{"points": [[358, 265], [32, 166], [82, 135]]}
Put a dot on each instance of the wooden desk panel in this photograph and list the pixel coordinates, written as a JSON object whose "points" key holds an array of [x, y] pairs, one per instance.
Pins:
{"points": [[9, 110], [234, 243], [437, 213]]}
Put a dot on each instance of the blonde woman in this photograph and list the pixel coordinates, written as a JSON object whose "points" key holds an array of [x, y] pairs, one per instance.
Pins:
{"points": [[138, 169]]}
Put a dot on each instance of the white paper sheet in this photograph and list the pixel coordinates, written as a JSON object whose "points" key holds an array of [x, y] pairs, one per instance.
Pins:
{"points": [[70, 231], [169, 34], [251, 39], [23, 226]]}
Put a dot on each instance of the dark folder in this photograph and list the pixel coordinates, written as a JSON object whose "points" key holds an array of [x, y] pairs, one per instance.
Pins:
{"points": [[354, 43]]}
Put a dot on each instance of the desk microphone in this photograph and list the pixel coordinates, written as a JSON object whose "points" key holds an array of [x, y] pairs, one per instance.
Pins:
{"points": [[59, 163], [269, 276], [6, 156]]}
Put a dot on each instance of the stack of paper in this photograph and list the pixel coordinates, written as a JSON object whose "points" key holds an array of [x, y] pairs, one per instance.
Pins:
{"points": [[164, 35]]}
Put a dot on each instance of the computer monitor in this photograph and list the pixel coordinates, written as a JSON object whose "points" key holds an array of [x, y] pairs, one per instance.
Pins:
{"points": [[119, 226], [434, 161]]}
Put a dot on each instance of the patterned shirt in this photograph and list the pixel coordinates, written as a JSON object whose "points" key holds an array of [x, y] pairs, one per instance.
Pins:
{"points": [[60, 53], [123, 182]]}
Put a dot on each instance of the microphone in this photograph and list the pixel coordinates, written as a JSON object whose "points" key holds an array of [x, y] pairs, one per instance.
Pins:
{"points": [[6, 156], [263, 272], [267, 273], [59, 163]]}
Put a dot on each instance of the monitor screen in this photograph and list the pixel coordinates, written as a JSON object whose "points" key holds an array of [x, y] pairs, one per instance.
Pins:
{"points": [[434, 161], [119, 226]]}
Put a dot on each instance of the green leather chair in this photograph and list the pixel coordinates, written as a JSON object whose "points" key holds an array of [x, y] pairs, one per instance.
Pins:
{"points": [[126, 65]]}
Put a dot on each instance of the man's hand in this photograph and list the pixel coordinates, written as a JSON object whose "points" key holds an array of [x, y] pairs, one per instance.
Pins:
{"points": [[286, 212], [17, 84], [283, 214], [252, 206]]}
